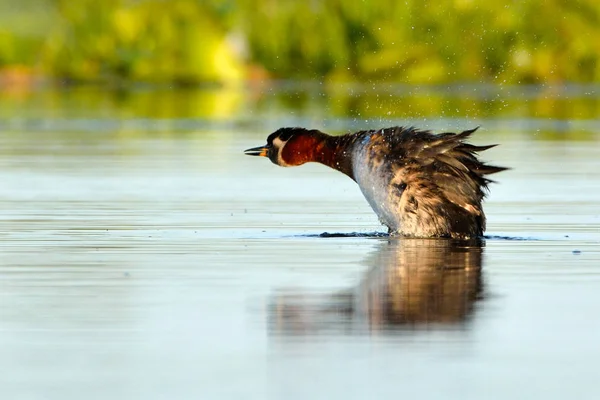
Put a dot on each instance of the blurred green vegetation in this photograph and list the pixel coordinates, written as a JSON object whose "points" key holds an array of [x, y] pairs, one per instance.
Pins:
{"points": [[152, 41], [190, 41], [429, 42]]}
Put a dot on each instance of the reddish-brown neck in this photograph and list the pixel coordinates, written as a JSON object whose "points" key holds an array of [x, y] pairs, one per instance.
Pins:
{"points": [[319, 147]]}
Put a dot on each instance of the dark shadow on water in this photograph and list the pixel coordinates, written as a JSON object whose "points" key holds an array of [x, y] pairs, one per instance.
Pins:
{"points": [[352, 234], [409, 284], [384, 234], [499, 237]]}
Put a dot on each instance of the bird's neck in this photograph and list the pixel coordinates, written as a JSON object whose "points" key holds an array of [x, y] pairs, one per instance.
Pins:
{"points": [[335, 152]]}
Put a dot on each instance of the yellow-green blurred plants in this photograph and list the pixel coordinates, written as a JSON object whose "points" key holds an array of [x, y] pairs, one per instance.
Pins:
{"points": [[156, 41], [190, 41], [414, 41]]}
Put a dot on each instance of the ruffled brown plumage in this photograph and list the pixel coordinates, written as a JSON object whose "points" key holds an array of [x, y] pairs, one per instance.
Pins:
{"points": [[420, 184]]}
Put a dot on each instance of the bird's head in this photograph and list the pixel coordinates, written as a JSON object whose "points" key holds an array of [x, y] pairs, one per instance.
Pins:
{"points": [[288, 147]]}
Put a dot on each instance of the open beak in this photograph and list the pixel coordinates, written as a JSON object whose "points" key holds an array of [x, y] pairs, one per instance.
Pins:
{"points": [[261, 151]]}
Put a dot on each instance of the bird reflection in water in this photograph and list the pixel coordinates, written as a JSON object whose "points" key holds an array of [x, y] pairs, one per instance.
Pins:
{"points": [[410, 283]]}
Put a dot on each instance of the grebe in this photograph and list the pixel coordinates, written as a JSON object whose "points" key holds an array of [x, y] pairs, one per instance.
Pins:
{"points": [[419, 184]]}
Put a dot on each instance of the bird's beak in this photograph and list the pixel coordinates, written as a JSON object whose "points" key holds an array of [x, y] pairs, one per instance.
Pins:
{"points": [[261, 151]]}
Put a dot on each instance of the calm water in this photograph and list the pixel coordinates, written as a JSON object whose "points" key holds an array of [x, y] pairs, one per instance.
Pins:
{"points": [[143, 256]]}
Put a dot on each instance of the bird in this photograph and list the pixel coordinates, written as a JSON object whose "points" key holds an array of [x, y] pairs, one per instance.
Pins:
{"points": [[419, 183]]}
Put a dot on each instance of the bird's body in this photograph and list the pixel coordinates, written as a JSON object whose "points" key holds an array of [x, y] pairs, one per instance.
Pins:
{"points": [[418, 183]]}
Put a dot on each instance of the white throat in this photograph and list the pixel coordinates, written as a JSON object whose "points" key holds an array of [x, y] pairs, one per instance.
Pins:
{"points": [[278, 145]]}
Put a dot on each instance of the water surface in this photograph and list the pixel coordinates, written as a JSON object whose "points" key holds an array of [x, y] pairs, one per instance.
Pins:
{"points": [[143, 256]]}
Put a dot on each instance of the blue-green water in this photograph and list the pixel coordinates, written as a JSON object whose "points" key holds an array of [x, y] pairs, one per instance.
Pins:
{"points": [[142, 255]]}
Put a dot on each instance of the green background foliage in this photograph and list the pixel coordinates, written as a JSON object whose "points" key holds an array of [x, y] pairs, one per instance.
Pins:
{"points": [[190, 42]]}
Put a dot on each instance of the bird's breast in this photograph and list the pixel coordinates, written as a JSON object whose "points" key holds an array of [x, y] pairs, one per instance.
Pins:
{"points": [[374, 176]]}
